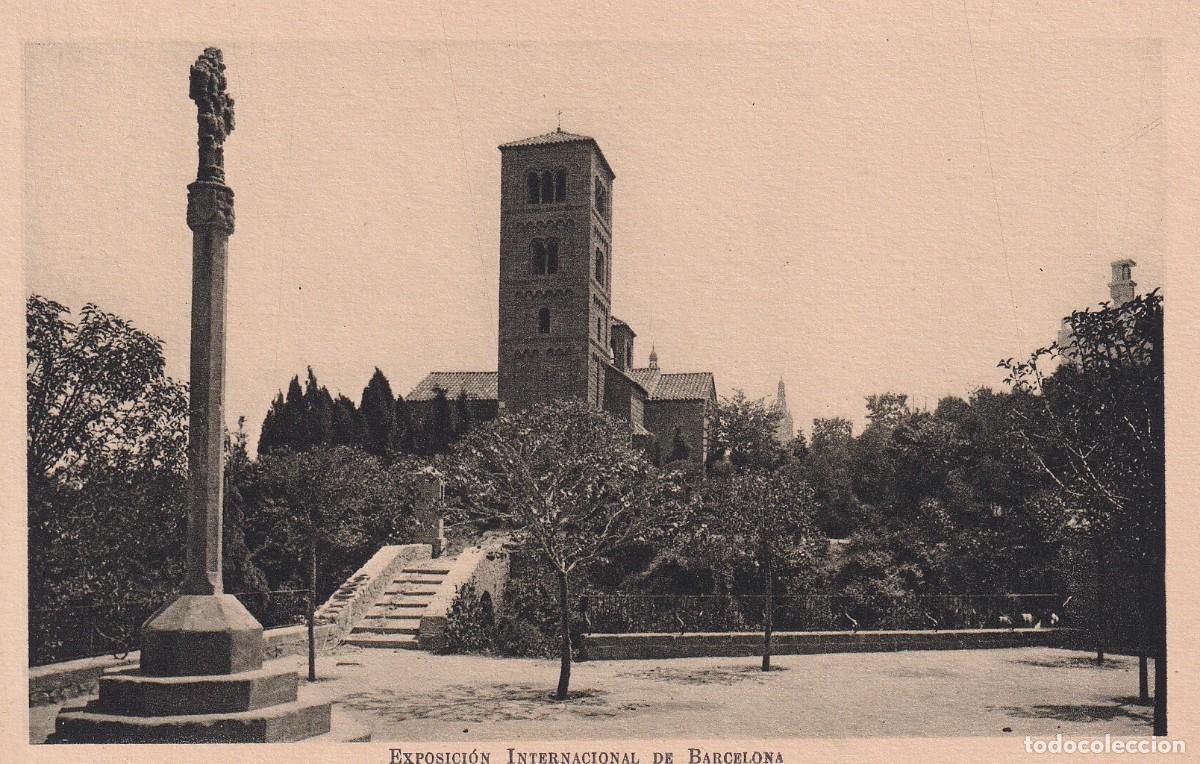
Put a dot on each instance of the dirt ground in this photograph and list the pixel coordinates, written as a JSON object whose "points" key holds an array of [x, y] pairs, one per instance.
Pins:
{"points": [[414, 696]]}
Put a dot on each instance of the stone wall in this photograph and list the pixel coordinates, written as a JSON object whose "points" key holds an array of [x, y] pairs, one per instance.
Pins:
{"points": [[745, 644], [486, 566]]}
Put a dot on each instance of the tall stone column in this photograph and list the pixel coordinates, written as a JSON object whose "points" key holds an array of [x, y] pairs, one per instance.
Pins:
{"points": [[206, 631]]}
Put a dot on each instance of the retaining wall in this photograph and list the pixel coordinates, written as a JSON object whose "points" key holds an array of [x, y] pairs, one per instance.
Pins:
{"points": [[725, 644]]}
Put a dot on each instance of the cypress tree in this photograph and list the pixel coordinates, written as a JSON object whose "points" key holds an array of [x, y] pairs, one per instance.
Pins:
{"points": [[406, 428], [316, 415], [440, 430], [378, 409], [349, 429]]}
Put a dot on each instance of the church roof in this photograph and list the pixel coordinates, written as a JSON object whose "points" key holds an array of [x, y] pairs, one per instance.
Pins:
{"points": [[479, 385], [689, 386], [554, 138]]}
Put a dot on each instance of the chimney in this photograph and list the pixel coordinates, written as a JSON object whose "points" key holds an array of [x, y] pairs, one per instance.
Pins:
{"points": [[1121, 290]]}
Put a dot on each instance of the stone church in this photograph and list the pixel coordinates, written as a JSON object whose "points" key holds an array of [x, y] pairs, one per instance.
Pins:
{"points": [[558, 336]]}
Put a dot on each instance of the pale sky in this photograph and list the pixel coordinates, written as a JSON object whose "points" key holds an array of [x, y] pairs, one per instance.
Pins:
{"points": [[853, 217]]}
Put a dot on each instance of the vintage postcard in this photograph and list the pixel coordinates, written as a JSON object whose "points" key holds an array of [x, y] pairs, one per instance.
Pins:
{"points": [[452, 385]]}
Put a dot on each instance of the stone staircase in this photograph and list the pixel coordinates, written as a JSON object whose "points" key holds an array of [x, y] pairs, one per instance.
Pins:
{"points": [[394, 621]]}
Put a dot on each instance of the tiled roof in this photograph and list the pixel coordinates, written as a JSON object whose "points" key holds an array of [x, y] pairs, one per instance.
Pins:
{"points": [[554, 138], [558, 136], [691, 386], [480, 385]]}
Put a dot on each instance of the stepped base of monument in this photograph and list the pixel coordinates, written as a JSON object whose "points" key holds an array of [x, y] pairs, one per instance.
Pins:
{"points": [[131, 693], [282, 723]]}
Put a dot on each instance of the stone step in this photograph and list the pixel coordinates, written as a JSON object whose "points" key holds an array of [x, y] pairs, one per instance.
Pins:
{"points": [[384, 628], [393, 641], [392, 616], [441, 571], [413, 592], [281, 723]]}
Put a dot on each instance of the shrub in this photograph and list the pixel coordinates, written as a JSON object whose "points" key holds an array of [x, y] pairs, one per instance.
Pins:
{"points": [[470, 625]]}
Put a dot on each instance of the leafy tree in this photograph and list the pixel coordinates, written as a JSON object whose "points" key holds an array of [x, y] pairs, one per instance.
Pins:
{"points": [[97, 397], [1096, 429], [828, 468], [107, 459], [744, 431], [772, 515], [569, 484], [322, 504]]}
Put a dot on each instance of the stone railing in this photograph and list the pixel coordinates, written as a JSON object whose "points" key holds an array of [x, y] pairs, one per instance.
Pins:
{"points": [[485, 566], [347, 606]]}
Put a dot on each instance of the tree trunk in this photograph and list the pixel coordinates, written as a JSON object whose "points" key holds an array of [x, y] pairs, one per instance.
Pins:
{"points": [[564, 610], [309, 615], [1159, 587], [768, 608], [1101, 604], [1143, 678]]}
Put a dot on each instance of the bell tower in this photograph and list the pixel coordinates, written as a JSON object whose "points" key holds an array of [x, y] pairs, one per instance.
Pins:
{"points": [[555, 270]]}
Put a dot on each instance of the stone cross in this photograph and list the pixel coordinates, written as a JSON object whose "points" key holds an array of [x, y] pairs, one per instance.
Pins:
{"points": [[210, 216]]}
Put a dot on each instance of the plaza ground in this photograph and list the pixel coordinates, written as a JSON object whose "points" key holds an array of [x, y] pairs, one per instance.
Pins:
{"points": [[414, 696]]}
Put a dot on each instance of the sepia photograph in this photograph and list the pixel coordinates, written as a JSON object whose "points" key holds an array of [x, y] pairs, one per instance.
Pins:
{"points": [[475, 397]]}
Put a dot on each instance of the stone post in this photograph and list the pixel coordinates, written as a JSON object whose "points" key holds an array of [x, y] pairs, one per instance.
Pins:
{"points": [[431, 492]]}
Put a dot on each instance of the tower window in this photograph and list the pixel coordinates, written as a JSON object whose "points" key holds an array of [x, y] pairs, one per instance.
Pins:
{"points": [[599, 330], [547, 187], [599, 266], [543, 318], [544, 256], [533, 186], [560, 186], [600, 198]]}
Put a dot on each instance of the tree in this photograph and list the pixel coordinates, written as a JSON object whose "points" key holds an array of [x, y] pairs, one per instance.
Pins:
{"points": [[567, 481], [438, 430], [378, 408], [744, 430], [321, 502], [309, 418], [1096, 428], [97, 397], [106, 456], [772, 514]]}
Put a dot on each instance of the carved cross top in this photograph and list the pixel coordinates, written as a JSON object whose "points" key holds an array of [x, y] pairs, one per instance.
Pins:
{"points": [[214, 112]]}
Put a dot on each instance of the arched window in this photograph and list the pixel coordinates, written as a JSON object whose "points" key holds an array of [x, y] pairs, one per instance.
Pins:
{"points": [[531, 183], [560, 186], [600, 198], [599, 266], [538, 250], [547, 187], [543, 256], [543, 320]]}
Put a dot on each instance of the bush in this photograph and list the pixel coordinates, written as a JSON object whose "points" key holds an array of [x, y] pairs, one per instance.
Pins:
{"points": [[470, 625]]}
